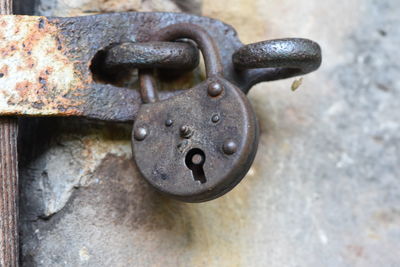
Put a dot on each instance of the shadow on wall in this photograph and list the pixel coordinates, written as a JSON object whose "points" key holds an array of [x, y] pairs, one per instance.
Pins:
{"points": [[24, 7], [29, 7]]}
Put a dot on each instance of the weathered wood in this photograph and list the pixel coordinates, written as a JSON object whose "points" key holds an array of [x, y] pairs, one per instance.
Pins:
{"points": [[8, 192], [8, 181], [6, 7]]}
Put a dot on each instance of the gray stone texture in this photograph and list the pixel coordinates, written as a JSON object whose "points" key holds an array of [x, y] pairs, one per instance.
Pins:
{"points": [[324, 189]]}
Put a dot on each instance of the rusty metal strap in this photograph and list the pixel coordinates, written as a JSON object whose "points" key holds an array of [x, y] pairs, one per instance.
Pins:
{"points": [[45, 63]]}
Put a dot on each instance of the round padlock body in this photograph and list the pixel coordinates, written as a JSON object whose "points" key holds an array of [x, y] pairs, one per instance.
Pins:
{"points": [[198, 145]]}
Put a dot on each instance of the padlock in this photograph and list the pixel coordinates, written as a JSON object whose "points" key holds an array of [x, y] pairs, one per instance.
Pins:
{"points": [[198, 145]]}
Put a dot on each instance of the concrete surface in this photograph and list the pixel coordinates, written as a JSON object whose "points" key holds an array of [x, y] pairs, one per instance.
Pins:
{"points": [[324, 189]]}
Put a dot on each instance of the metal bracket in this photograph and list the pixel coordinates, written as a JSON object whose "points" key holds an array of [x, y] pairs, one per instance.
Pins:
{"points": [[45, 62]]}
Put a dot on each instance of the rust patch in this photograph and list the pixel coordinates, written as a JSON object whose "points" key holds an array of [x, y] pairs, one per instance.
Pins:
{"points": [[3, 71], [37, 73], [22, 88]]}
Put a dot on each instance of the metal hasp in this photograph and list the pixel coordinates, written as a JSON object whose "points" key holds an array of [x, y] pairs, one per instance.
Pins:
{"points": [[46, 63], [193, 145]]}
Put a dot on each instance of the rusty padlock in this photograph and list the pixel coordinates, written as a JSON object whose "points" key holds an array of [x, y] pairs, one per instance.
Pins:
{"points": [[198, 145]]}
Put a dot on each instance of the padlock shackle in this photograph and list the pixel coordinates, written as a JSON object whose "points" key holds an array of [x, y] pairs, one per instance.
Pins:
{"points": [[205, 42], [212, 58]]}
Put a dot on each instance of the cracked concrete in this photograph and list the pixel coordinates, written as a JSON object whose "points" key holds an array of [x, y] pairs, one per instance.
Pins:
{"points": [[71, 159]]}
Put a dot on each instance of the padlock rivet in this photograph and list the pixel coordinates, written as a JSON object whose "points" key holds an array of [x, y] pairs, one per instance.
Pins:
{"points": [[229, 147], [169, 122], [140, 133], [186, 131], [215, 118], [215, 89]]}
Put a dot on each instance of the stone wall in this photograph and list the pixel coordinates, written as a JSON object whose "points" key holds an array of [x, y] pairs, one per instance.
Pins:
{"points": [[324, 189]]}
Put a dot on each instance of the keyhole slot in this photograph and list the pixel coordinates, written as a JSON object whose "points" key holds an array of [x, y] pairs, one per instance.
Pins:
{"points": [[194, 160]]}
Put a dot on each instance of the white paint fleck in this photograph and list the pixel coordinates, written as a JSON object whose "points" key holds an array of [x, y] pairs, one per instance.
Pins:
{"points": [[322, 236], [345, 160], [84, 254]]}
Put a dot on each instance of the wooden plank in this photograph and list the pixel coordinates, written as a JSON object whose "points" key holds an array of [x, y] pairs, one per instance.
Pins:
{"points": [[8, 181]]}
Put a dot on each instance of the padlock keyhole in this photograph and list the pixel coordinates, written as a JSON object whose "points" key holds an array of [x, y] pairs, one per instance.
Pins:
{"points": [[194, 160]]}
